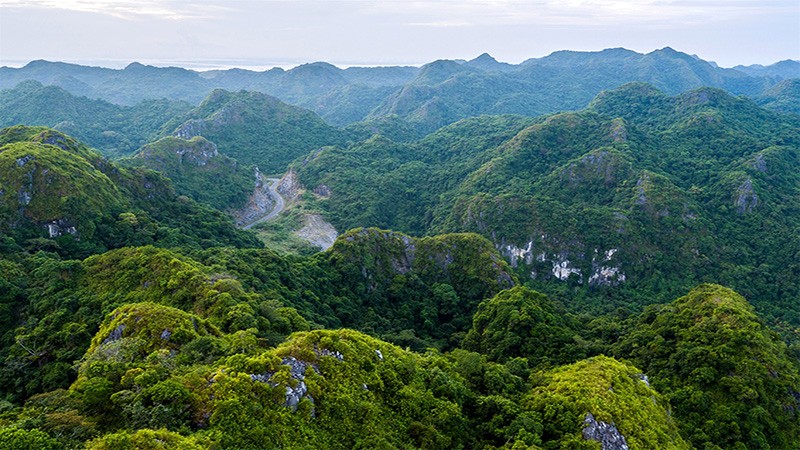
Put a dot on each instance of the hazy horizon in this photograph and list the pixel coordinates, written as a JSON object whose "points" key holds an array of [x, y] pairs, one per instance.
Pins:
{"points": [[263, 65], [209, 34]]}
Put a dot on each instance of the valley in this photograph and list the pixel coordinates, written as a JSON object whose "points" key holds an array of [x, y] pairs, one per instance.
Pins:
{"points": [[588, 250], [279, 204]]}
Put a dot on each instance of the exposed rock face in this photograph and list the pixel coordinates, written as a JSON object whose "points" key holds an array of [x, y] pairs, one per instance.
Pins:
{"points": [[604, 272], [619, 133], [200, 154], [641, 184], [760, 164], [297, 370], [116, 334], [562, 269], [605, 433], [289, 186], [746, 198], [318, 232], [24, 197], [60, 227], [259, 203], [323, 191], [190, 129], [24, 160]]}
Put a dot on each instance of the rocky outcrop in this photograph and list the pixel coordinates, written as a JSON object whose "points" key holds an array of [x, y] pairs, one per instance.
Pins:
{"points": [[605, 433], [297, 389], [323, 191], [60, 227], [746, 198], [318, 232], [199, 154], [190, 129], [605, 271], [619, 132], [289, 186], [641, 186], [258, 204]]}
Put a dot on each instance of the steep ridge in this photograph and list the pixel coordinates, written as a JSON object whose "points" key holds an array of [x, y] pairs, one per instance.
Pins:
{"points": [[639, 186], [255, 128], [114, 130], [61, 196], [198, 170], [564, 80]]}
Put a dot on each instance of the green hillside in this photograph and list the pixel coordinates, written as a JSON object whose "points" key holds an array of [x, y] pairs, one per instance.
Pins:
{"points": [[622, 276], [59, 195], [436, 94], [255, 128], [197, 170], [114, 130], [729, 379], [640, 192]]}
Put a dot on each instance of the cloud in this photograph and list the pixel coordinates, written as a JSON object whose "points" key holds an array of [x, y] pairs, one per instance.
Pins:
{"points": [[127, 9], [443, 13], [441, 24]]}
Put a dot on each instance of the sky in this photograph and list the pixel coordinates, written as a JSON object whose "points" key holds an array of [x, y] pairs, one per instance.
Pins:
{"points": [[204, 34]]}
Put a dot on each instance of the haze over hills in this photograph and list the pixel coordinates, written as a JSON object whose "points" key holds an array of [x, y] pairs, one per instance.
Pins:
{"points": [[529, 256], [638, 187], [430, 96]]}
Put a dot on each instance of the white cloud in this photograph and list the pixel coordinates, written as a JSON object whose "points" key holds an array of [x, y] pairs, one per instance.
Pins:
{"points": [[576, 12], [128, 9]]}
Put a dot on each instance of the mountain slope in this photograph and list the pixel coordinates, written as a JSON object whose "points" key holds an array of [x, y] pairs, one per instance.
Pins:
{"points": [[255, 128], [196, 169], [638, 187], [719, 364], [564, 80], [114, 130], [59, 195]]}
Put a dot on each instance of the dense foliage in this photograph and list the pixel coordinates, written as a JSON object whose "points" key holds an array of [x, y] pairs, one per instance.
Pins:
{"points": [[731, 381], [255, 128], [641, 192], [114, 130], [58, 195], [197, 170], [135, 317]]}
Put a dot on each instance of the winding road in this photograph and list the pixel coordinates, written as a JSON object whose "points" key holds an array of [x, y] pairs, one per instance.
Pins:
{"points": [[279, 204]]}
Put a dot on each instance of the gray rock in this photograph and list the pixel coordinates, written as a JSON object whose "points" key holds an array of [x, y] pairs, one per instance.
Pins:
{"points": [[605, 433], [326, 352], [760, 164], [323, 191], [24, 197], [115, 334], [24, 160], [165, 335], [297, 370], [295, 394], [60, 227], [746, 198]]}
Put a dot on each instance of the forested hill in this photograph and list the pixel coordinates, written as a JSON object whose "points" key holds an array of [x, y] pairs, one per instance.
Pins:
{"points": [[255, 128], [133, 317], [642, 191], [436, 94], [622, 275], [115, 130]]}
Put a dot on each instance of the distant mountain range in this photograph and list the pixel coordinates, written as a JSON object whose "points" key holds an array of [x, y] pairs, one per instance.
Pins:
{"points": [[430, 96], [524, 259]]}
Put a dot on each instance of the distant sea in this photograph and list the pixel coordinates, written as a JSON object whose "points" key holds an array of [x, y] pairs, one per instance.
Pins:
{"points": [[205, 65]]}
